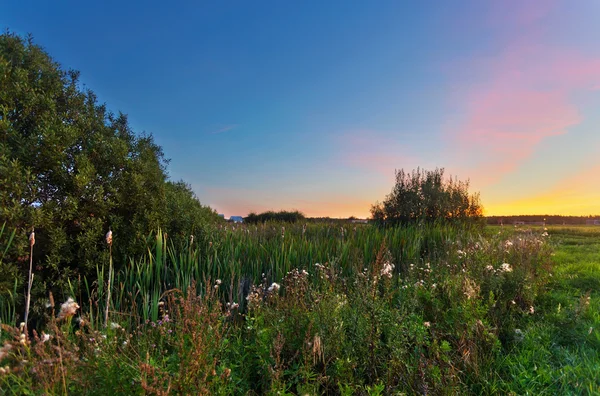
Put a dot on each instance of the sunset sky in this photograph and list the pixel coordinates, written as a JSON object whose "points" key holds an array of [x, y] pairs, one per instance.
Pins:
{"points": [[311, 105]]}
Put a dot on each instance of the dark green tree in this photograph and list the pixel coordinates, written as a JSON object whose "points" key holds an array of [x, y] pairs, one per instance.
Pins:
{"points": [[426, 196], [72, 169]]}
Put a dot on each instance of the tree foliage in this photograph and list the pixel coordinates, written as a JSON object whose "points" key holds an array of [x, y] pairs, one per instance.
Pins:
{"points": [[282, 215], [427, 196], [72, 169]]}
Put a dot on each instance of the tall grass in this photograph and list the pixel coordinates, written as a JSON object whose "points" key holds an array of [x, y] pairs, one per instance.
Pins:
{"points": [[8, 294], [244, 255]]}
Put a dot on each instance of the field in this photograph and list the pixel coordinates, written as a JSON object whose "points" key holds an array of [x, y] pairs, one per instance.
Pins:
{"points": [[325, 308]]}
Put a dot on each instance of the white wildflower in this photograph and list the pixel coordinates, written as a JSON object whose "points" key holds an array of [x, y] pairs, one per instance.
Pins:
{"points": [[531, 310], [274, 288], [489, 267], [114, 325], [387, 270], [519, 336], [427, 324], [68, 309], [505, 267], [45, 337]]}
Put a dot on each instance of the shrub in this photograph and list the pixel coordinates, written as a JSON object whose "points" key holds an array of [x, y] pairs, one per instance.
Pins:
{"points": [[425, 196]]}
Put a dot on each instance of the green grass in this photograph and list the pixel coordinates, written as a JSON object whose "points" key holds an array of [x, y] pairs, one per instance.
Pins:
{"points": [[560, 353], [444, 322]]}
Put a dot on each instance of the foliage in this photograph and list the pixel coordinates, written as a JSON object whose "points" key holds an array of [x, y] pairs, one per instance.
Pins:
{"points": [[281, 216], [72, 169], [425, 196], [438, 315]]}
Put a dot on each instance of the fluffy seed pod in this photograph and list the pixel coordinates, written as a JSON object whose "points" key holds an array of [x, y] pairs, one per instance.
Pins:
{"points": [[32, 238], [109, 238]]}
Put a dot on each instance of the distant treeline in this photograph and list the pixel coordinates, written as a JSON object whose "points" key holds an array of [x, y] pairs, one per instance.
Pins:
{"points": [[283, 215], [548, 219]]}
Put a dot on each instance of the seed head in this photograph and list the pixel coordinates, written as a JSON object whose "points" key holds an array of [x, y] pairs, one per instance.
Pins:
{"points": [[109, 238], [32, 238], [68, 309]]}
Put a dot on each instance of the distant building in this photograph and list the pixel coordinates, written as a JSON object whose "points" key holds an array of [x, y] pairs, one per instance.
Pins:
{"points": [[236, 219], [592, 222]]}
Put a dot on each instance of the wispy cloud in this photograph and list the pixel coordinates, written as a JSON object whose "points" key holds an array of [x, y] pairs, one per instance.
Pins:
{"points": [[377, 152], [525, 96], [224, 129]]}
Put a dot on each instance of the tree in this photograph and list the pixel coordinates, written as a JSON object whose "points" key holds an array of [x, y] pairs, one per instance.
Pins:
{"points": [[72, 169], [426, 196], [282, 215]]}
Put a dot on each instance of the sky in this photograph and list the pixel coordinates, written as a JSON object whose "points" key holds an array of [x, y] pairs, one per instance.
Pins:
{"points": [[312, 105]]}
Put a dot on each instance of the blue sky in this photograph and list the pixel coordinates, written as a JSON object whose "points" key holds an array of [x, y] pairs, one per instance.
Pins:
{"points": [[312, 105]]}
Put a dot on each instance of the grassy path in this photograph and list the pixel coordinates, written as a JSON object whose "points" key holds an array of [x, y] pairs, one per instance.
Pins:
{"points": [[560, 350]]}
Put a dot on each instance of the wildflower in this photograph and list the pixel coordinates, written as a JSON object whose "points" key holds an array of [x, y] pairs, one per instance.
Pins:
{"points": [[489, 267], [45, 337], [387, 269], [545, 234], [508, 244], [531, 310], [519, 336], [274, 288], [218, 281], [427, 324], [68, 309], [114, 325], [513, 302], [5, 350], [166, 319], [23, 339], [461, 253], [505, 267], [109, 238]]}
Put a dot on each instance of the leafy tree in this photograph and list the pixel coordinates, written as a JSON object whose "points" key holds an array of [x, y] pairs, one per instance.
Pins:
{"points": [[426, 196], [285, 216], [72, 169]]}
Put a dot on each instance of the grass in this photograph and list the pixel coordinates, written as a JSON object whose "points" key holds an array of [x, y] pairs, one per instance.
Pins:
{"points": [[560, 353], [265, 310]]}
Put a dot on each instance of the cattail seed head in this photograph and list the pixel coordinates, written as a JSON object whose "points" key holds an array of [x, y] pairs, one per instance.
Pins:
{"points": [[109, 238]]}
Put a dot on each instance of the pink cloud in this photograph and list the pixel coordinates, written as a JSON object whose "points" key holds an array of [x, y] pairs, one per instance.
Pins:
{"points": [[525, 98], [375, 152]]}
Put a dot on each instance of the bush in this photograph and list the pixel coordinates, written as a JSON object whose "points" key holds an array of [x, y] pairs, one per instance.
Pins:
{"points": [[426, 196], [282, 216], [72, 169]]}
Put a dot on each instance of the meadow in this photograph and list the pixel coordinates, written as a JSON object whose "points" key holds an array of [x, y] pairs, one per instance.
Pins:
{"points": [[324, 308]]}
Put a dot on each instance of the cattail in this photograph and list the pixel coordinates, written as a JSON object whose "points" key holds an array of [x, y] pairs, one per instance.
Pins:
{"points": [[109, 241]]}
